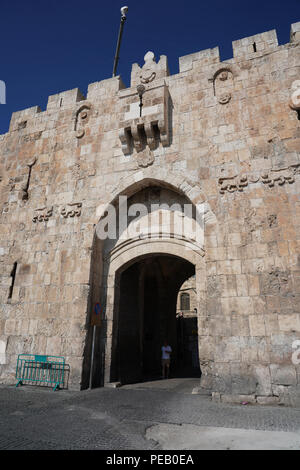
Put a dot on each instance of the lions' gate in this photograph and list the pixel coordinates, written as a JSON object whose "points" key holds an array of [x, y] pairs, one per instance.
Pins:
{"points": [[214, 148]]}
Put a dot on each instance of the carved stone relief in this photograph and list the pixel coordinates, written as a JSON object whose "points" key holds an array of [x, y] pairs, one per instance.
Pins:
{"points": [[31, 137], [72, 210], [145, 158], [148, 73], [224, 98], [255, 221], [81, 119], [43, 214], [223, 85], [23, 194], [280, 176], [275, 281]]}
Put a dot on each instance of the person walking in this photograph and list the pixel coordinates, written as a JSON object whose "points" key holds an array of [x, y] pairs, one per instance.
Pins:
{"points": [[166, 351]]}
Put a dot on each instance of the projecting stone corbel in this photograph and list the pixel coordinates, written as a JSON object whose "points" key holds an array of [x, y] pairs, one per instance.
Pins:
{"points": [[163, 126], [125, 138], [150, 135], [144, 117], [137, 137]]}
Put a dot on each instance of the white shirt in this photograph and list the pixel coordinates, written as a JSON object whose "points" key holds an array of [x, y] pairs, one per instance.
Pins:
{"points": [[166, 351]]}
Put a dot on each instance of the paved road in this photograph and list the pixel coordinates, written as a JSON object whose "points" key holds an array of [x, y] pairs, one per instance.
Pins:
{"points": [[160, 415]]}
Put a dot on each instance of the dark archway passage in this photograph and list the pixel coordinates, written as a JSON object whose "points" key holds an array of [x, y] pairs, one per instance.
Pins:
{"points": [[145, 314]]}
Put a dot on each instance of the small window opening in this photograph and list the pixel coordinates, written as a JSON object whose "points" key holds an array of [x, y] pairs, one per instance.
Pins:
{"points": [[13, 275], [184, 302], [254, 47]]}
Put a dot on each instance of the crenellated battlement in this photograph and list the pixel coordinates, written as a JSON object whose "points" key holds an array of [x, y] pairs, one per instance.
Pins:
{"points": [[247, 48], [254, 45], [207, 56], [64, 99], [244, 49], [19, 119]]}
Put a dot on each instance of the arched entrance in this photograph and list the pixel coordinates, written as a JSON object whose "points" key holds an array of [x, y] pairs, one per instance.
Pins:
{"points": [[136, 277], [145, 315], [143, 281]]}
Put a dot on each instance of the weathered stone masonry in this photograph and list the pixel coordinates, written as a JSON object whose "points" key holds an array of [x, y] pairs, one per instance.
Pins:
{"points": [[222, 134]]}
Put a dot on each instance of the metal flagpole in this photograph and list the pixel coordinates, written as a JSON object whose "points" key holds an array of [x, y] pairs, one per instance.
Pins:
{"points": [[124, 10]]}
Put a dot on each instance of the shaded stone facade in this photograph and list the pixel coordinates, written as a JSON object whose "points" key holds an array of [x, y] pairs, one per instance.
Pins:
{"points": [[222, 136], [187, 298]]}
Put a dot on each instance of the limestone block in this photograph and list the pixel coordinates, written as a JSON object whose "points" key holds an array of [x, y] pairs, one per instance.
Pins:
{"points": [[206, 348], [283, 374], [19, 119], [295, 32], [239, 325], [287, 394], [271, 323], [220, 326], [64, 99], [198, 58], [54, 345], [229, 267], [242, 378], [3, 344], [238, 399], [267, 400], [263, 377], [70, 346], [289, 323], [227, 350], [281, 347], [221, 379], [257, 325], [237, 306]]}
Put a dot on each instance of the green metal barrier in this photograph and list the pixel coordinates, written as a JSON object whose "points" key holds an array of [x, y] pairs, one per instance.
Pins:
{"points": [[38, 369]]}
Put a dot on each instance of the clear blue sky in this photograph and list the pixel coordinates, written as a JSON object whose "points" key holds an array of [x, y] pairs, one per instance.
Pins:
{"points": [[52, 46]]}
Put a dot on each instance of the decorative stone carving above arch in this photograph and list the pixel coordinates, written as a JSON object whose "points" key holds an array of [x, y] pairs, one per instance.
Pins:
{"points": [[159, 177], [145, 158]]}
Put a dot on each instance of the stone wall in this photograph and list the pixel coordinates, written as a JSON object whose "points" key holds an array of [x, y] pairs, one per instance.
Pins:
{"points": [[224, 134]]}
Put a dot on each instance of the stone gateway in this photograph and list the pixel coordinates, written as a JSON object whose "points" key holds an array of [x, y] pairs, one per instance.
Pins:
{"points": [[94, 192]]}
